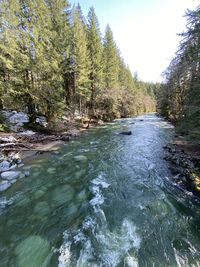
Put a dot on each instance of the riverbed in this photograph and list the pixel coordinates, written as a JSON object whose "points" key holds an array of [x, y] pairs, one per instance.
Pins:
{"points": [[103, 199]]}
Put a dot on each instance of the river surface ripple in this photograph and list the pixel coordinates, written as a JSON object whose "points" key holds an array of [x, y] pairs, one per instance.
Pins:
{"points": [[104, 199]]}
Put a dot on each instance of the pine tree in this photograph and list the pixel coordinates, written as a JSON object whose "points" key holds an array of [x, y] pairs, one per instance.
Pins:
{"points": [[95, 58], [79, 59], [110, 61]]}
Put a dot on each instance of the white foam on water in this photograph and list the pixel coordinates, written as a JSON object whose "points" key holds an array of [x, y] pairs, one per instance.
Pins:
{"points": [[131, 261], [100, 180], [98, 198], [86, 255], [180, 259], [94, 142], [65, 254], [80, 237], [114, 245], [97, 240], [97, 185], [89, 223]]}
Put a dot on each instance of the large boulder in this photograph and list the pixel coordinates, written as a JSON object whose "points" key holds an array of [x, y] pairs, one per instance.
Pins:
{"points": [[15, 120], [10, 175], [19, 118]]}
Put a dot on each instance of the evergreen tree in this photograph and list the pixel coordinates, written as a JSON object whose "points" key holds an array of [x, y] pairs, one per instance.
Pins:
{"points": [[95, 58], [110, 61], [79, 59]]}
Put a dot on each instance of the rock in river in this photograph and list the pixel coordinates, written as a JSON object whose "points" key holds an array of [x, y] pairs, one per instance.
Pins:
{"points": [[4, 185], [81, 158], [4, 166], [126, 133], [33, 251], [10, 175]]}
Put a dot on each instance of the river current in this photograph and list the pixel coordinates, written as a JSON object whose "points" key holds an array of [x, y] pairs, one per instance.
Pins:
{"points": [[101, 200]]}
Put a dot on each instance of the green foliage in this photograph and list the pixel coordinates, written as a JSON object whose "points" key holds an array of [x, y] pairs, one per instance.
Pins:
{"points": [[179, 97], [53, 61], [3, 125]]}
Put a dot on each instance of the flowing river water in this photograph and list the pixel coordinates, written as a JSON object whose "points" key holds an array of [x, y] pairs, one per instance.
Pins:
{"points": [[104, 199]]}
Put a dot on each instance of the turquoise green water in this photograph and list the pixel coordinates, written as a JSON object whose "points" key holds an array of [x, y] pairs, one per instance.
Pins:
{"points": [[102, 200]]}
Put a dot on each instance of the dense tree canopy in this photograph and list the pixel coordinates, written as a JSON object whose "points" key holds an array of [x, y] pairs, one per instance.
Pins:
{"points": [[179, 98], [54, 61]]}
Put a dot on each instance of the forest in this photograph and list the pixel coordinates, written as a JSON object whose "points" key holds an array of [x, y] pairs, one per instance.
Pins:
{"points": [[179, 95], [55, 62]]}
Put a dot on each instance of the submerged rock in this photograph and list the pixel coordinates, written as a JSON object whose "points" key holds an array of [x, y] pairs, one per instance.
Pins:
{"points": [[81, 195], [126, 133], [23, 201], [33, 251], [51, 170], [81, 158], [38, 194], [4, 185], [62, 195], [42, 209], [10, 175]]}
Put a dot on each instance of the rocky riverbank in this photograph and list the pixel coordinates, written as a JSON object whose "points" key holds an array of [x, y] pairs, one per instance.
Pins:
{"points": [[16, 148], [184, 158], [22, 143]]}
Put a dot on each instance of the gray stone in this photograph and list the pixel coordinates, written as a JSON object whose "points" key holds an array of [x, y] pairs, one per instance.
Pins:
{"points": [[10, 175], [27, 133], [9, 139], [4, 166], [42, 121], [19, 118], [15, 157], [4, 185], [12, 167], [13, 181], [27, 173]]}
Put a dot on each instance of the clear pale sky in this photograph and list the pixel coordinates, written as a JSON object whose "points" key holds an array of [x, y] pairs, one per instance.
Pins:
{"points": [[144, 30]]}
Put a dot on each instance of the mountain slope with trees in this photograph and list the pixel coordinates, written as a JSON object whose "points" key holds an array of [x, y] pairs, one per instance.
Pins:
{"points": [[54, 61]]}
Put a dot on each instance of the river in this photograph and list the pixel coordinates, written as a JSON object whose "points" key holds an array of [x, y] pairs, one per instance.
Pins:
{"points": [[104, 199]]}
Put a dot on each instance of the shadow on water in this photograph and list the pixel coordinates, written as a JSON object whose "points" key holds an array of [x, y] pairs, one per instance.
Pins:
{"points": [[102, 200]]}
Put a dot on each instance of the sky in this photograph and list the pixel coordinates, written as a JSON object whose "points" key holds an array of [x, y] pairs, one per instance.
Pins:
{"points": [[146, 31]]}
